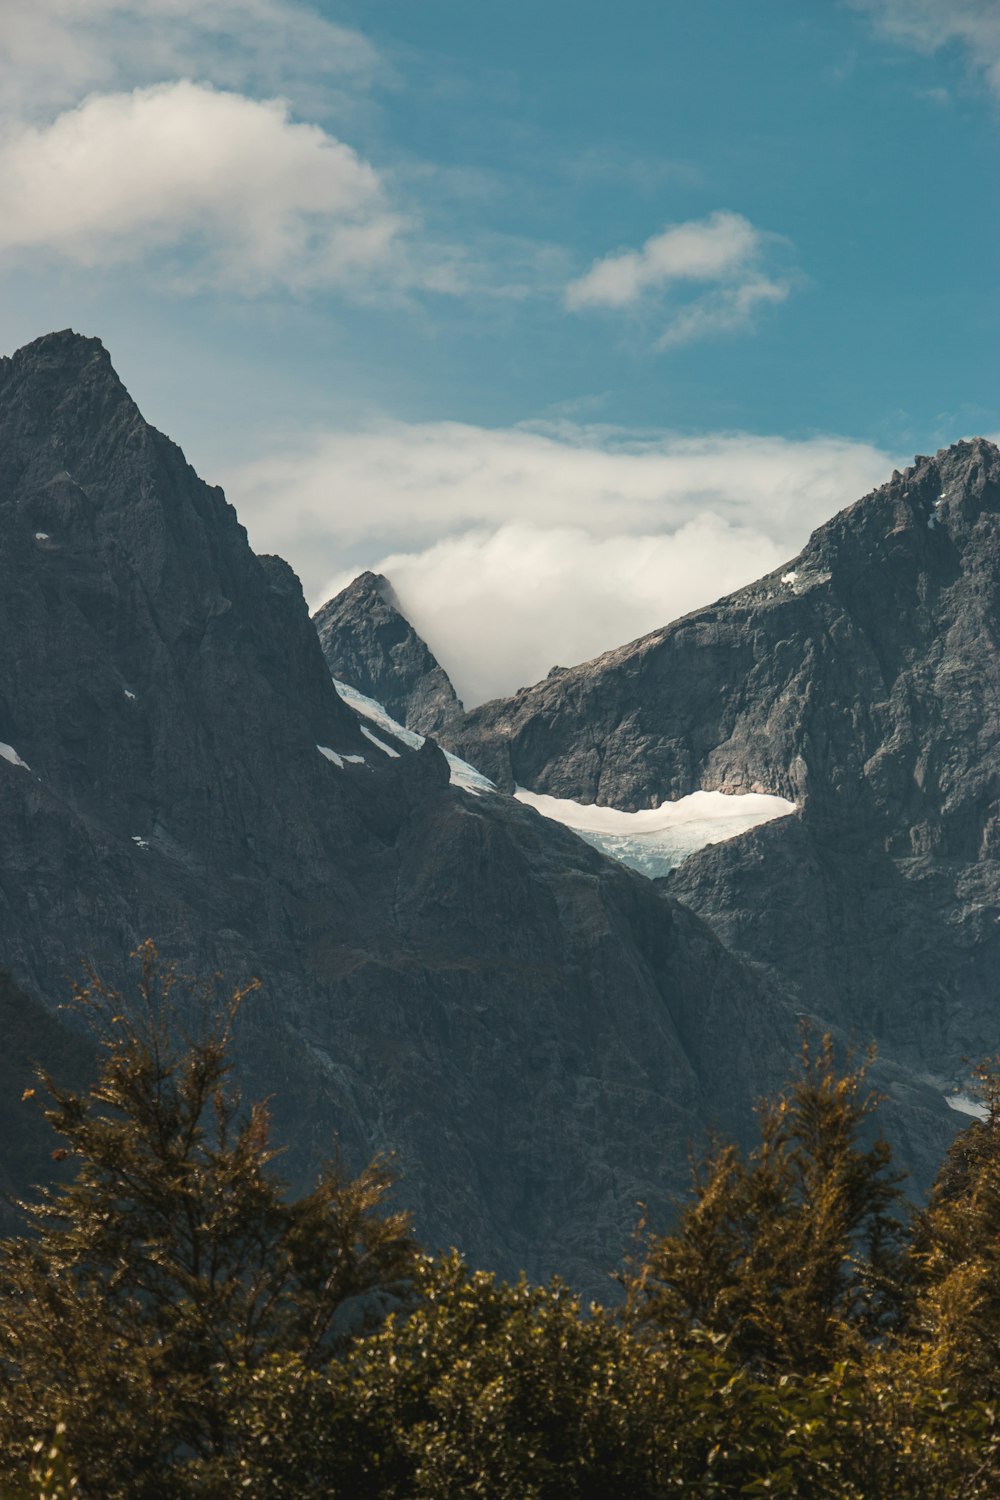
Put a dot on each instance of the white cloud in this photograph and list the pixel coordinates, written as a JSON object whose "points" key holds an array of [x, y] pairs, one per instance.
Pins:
{"points": [[500, 608], [702, 250], [929, 25], [725, 251], [54, 51], [517, 548], [726, 311], [259, 198]]}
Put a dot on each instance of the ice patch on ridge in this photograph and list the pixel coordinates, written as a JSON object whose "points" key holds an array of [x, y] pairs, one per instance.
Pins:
{"points": [[340, 760], [386, 749], [656, 840], [462, 774], [467, 777], [7, 752], [369, 708]]}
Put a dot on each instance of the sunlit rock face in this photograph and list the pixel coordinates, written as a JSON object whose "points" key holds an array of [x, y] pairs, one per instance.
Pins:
{"points": [[861, 680]]}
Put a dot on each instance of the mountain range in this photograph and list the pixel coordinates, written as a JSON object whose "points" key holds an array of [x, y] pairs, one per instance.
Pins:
{"points": [[537, 1031], [861, 680]]}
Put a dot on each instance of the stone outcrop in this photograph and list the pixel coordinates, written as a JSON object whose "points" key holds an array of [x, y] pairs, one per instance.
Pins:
{"points": [[368, 643]]}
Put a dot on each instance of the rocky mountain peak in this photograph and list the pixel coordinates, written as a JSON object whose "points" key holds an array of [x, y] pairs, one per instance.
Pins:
{"points": [[62, 400], [536, 1031], [859, 680], [132, 594], [368, 642]]}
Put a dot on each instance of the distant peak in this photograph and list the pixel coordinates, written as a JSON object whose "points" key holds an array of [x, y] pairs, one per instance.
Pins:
{"points": [[368, 583], [64, 357], [970, 467], [956, 456], [65, 345], [370, 644]]}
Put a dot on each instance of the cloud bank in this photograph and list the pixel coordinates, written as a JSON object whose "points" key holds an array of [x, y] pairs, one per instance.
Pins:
{"points": [[517, 549], [723, 252], [258, 198]]}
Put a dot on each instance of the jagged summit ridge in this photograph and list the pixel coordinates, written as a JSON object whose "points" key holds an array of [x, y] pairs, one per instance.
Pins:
{"points": [[861, 680], [369, 644], [702, 703]]}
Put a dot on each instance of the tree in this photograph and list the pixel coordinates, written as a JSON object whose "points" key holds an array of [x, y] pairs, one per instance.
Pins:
{"points": [[174, 1258], [506, 1391], [957, 1255], [792, 1255]]}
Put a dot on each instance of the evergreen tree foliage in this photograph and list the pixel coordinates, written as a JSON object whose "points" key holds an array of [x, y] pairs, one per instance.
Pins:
{"points": [[176, 1325], [482, 1389], [793, 1254], [957, 1253], [174, 1257]]}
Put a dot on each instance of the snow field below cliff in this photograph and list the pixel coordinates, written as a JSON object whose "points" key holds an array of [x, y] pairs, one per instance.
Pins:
{"points": [[656, 840], [653, 841]]}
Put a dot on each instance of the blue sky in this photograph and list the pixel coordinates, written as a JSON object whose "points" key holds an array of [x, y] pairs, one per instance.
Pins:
{"points": [[569, 316]]}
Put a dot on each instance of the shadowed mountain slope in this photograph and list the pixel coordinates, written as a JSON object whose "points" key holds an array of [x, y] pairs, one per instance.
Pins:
{"points": [[535, 1031], [863, 680]]}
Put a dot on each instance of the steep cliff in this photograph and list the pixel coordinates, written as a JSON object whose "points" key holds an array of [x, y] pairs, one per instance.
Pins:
{"points": [[368, 643], [862, 679], [534, 1030]]}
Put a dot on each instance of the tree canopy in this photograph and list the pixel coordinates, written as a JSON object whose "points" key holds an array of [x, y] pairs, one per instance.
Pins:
{"points": [[174, 1257], [175, 1323]]}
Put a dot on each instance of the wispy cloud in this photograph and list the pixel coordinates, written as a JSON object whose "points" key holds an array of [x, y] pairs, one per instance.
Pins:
{"points": [[251, 197], [54, 52], [516, 548], [724, 254], [728, 310], [927, 25]]}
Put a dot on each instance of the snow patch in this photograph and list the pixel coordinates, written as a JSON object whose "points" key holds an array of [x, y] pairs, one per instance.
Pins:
{"points": [[656, 840], [386, 749], [139, 841], [368, 708], [340, 760], [790, 578], [41, 536], [130, 695], [7, 752], [467, 777], [967, 1106], [462, 774]]}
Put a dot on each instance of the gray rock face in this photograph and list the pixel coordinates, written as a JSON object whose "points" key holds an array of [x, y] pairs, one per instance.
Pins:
{"points": [[368, 643], [536, 1032], [30, 1033], [862, 680]]}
